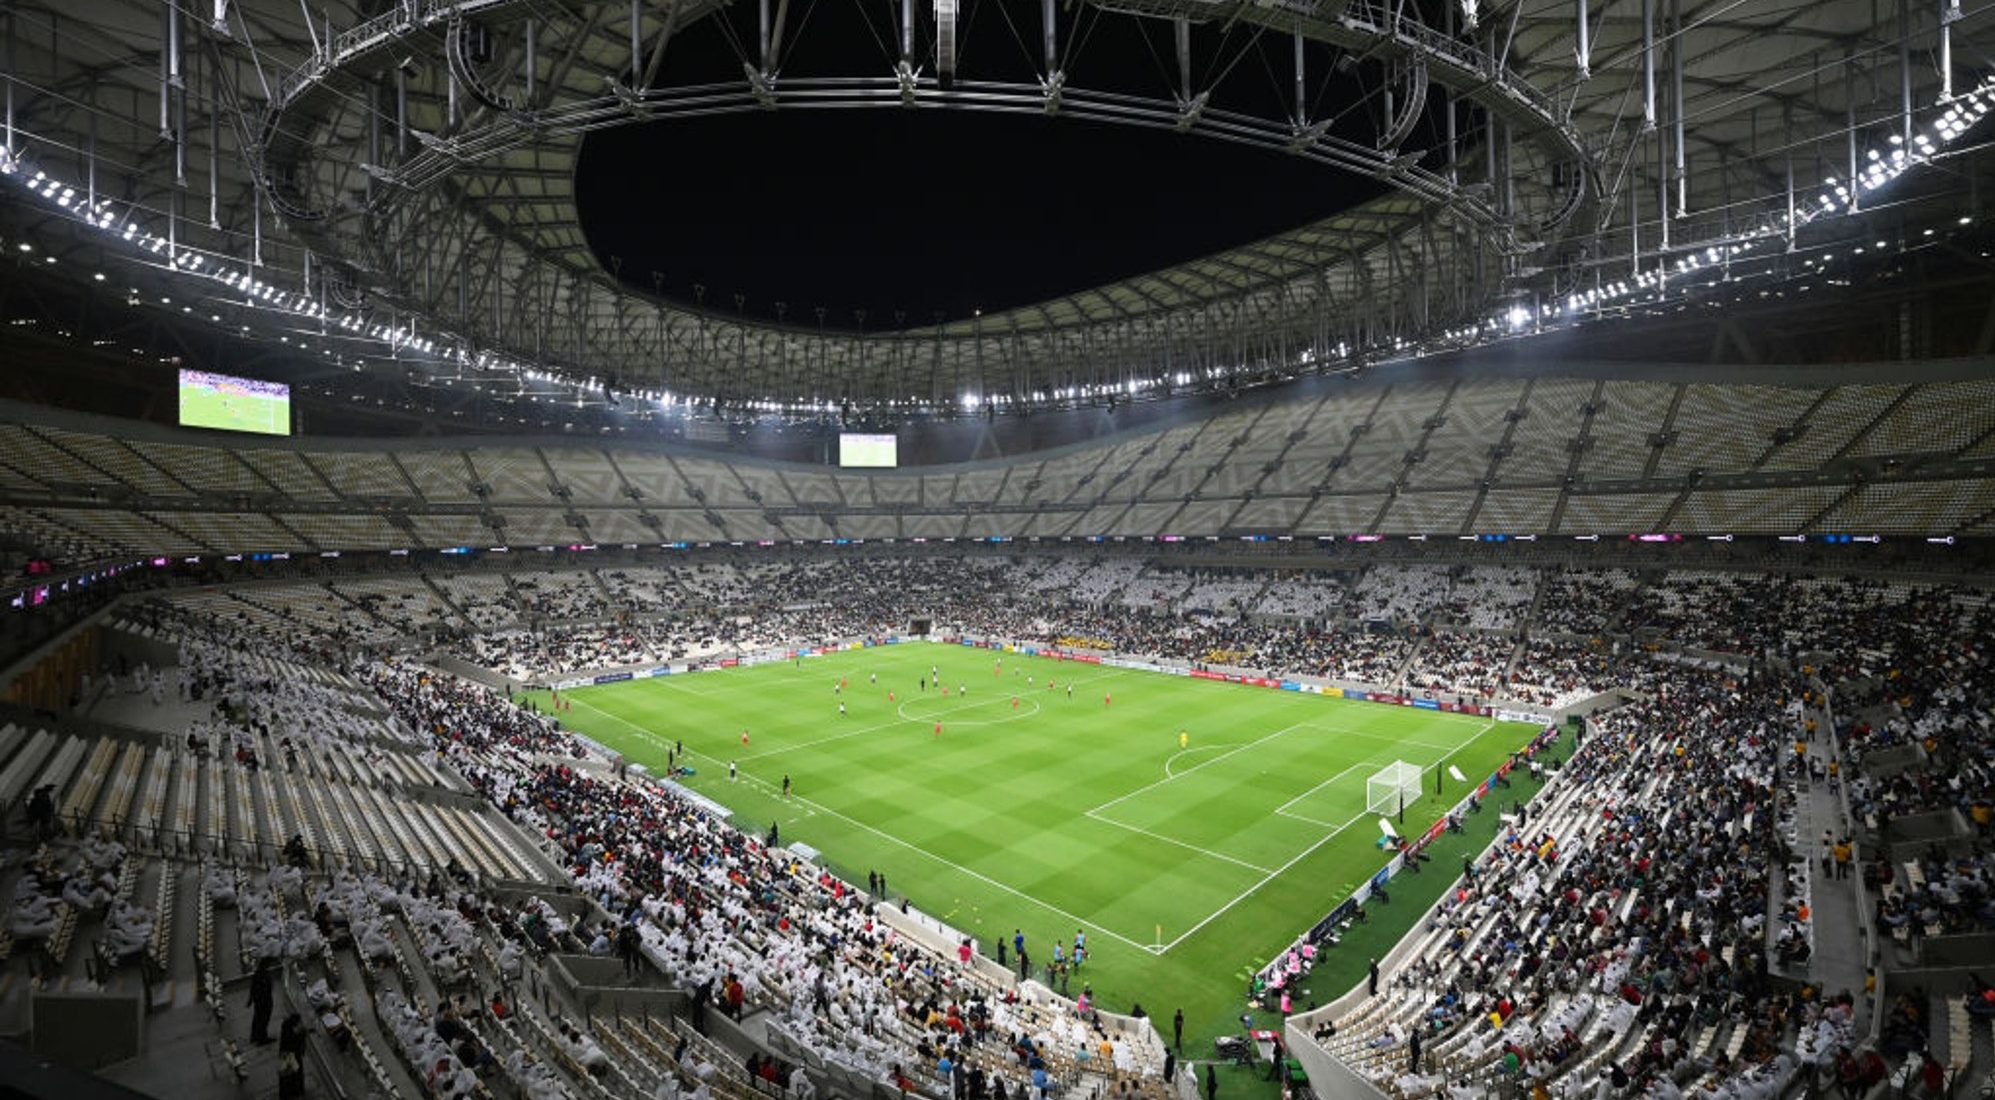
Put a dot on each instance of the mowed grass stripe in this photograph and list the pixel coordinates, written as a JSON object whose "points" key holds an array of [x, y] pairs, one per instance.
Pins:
{"points": [[915, 791], [1275, 770], [988, 825], [757, 790]]}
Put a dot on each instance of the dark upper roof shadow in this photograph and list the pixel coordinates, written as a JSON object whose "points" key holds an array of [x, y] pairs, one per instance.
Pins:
{"points": [[923, 211]]}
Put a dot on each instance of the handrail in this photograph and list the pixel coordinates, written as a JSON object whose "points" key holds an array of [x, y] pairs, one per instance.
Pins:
{"points": [[327, 1074], [229, 852]]}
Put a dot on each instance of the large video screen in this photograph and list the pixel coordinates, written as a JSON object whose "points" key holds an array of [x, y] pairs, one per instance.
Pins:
{"points": [[859, 449], [234, 404]]}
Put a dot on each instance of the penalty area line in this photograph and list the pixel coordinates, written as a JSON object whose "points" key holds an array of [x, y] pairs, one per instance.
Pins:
{"points": [[1092, 810], [1254, 889], [1304, 854], [1106, 820], [1187, 752], [1282, 810]]}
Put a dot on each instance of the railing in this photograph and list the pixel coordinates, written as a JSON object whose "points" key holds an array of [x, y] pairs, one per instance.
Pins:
{"points": [[315, 1050], [198, 843]]}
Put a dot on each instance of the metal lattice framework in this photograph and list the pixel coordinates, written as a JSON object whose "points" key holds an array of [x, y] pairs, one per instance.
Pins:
{"points": [[401, 174]]}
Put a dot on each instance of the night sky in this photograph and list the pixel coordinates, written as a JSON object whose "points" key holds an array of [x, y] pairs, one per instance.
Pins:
{"points": [[923, 211], [945, 210]]}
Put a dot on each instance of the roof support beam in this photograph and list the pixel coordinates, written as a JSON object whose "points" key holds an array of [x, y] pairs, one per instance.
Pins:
{"points": [[1583, 46], [1648, 64], [1676, 104]]}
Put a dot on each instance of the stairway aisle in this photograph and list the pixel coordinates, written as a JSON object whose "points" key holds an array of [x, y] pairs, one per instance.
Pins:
{"points": [[1840, 957]]}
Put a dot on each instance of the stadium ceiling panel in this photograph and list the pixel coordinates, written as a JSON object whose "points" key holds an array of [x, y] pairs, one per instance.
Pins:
{"points": [[397, 177]]}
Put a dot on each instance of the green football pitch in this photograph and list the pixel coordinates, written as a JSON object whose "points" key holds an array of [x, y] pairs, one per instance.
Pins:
{"points": [[1036, 810], [209, 408]]}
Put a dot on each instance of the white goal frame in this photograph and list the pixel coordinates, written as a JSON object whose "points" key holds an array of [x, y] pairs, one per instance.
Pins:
{"points": [[1392, 787]]}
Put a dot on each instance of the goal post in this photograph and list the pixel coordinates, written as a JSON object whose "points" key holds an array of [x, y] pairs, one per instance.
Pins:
{"points": [[1390, 789]]}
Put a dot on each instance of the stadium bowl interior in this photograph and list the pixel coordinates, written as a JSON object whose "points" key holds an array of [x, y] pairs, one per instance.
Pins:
{"points": [[1133, 549]]}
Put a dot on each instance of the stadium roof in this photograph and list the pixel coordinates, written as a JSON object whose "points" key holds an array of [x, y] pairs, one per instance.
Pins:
{"points": [[398, 179]]}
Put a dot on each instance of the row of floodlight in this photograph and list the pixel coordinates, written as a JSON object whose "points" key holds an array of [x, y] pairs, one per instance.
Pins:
{"points": [[1960, 115]]}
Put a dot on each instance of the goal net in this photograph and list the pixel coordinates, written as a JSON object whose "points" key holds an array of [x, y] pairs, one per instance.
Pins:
{"points": [[1395, 785]]}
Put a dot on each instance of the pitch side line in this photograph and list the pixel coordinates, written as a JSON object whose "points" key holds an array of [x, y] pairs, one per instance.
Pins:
{"points": [[791, 675], [671, 682], [820, 807], [1473, 738], [1391, 740]]}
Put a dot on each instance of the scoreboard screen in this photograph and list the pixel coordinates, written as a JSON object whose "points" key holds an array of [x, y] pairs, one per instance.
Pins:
{"points": [[234, 404], [860, 449]]}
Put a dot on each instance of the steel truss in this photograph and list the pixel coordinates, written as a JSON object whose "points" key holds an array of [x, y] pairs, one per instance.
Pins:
{"points": [[405, 168]]}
